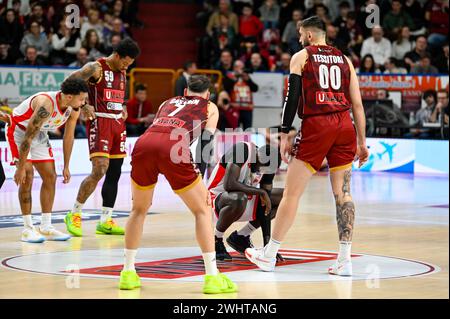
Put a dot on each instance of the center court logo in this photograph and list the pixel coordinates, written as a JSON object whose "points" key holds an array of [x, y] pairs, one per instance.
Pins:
{"points": [[184, 264]]}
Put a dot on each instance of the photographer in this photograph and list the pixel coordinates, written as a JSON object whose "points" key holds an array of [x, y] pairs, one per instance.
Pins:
{"points": [[240, 87], [228, 115]]}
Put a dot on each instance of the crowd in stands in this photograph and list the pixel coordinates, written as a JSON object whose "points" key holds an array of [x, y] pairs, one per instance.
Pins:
{"points": [[38, 32], [246, 36], [411, 37]]}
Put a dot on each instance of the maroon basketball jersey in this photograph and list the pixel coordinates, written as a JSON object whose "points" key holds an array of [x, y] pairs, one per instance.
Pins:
{"points": [[325, 81], [107, 95], [189, 113]]}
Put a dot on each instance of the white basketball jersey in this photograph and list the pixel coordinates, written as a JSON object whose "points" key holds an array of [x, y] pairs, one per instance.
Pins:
{"points": [[23, 112], [215, 182]]}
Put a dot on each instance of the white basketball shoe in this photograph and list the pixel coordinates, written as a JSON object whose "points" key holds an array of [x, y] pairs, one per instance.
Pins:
{"points": [[257, 257], [51, 233], [31, 235], [341, 268]]}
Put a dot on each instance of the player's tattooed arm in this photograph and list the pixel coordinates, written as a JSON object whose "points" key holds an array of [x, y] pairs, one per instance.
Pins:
{"points": [[41, 113], [91, 71], [345, 210]]}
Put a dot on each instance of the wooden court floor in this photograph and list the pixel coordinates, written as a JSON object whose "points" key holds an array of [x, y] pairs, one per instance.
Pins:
{"points": [[401, 244]]}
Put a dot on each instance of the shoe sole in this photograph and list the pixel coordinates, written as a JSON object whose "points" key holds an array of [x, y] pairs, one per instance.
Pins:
{"points": [[33, 241], [58, 239], [266, 269], [129, 287], [98, 232]]}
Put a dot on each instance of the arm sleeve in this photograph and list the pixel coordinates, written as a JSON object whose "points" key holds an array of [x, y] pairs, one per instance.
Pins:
{"points": [[291, 102]]}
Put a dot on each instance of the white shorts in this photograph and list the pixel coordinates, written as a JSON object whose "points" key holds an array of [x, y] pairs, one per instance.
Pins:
{"points": [[249, 213], [40, 151]]}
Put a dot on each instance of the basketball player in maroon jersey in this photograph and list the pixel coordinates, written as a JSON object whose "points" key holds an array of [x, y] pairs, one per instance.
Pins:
{"points": [[106, 134], [164, 149], [323, 86]]}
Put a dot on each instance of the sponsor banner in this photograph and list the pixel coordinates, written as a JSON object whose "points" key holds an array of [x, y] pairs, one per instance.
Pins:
{"points": [[410, 86], [18, 83], [80, 163], [408, 156], [388, 155]]}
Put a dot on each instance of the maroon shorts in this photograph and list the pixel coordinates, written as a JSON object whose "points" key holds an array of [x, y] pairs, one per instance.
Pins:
{"points": [[331, 136], [107, 138], [155, 153]]}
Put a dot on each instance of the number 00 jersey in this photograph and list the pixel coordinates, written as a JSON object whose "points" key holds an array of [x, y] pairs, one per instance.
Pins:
{"points": [[325, 82]]}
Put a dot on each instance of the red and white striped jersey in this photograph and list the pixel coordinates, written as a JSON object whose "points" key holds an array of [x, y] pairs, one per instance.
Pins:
{"points": [[23, 112]]}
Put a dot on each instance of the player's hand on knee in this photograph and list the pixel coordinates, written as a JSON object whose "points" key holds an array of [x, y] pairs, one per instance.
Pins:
{"points": [[20, 176]]}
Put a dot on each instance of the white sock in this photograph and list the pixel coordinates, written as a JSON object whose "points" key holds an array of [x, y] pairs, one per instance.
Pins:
{"points": [[210, 263], [218, 234], [271, 249], [106, 213], [27, 221], [77, 207], [247, 230], [46, 220], [345, 250], [130, 258]]}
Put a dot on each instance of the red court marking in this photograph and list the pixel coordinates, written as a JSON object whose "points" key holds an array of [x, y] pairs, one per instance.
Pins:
{"points": [[193, 266]]}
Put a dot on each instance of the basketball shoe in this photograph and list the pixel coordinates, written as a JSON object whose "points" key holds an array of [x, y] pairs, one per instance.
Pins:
{"points": [[31, 235], [221, 251], [73, 224], [218, 284], [50, 233], [256, 256], [238, 242], [341, 268], [129, 280], [109, 228]]}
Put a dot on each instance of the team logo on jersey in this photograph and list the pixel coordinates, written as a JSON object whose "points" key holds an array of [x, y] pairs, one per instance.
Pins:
{"points": [[186, 264], [330, 98], [113, 95], [171, 122]]}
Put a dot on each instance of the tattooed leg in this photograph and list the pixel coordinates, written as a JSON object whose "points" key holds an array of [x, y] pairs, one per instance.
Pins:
{"points": [[87, 187], [25, 190], [345, 208]]}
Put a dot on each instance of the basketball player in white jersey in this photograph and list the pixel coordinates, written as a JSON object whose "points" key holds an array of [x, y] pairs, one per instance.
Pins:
{"points": [[241, 188], [28, 140]]}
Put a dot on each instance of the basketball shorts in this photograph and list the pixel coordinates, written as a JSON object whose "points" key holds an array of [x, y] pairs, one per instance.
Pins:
{"points": [[155, 153], [249, 214], [331, 136], [107, 137], [40, 150]]}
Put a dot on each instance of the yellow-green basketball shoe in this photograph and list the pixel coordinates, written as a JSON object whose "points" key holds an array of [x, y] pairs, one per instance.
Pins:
{"points": [[218, 284], [73, 224], [109, 228], [129, 280]]}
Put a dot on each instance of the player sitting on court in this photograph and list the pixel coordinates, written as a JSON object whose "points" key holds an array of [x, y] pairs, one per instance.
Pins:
{"points": [[235, 194]]}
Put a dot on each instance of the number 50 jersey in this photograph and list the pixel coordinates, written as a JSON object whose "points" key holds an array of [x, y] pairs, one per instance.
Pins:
{"points": [[325, 82]]}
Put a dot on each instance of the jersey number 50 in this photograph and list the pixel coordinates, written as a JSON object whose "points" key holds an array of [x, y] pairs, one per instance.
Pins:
{"points": [[330, 76]]}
